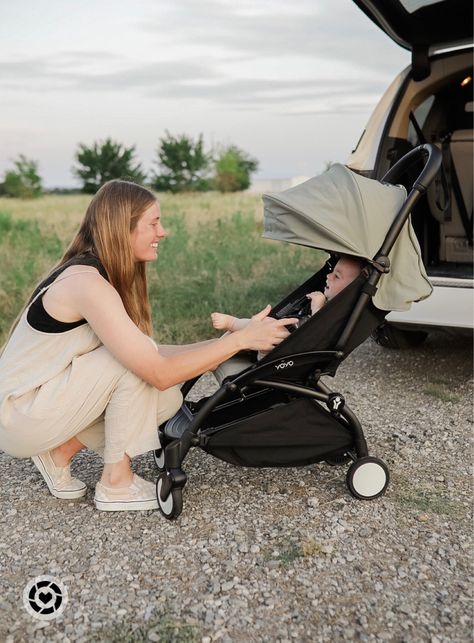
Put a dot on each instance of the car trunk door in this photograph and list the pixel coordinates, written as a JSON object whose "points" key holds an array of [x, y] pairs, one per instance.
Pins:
{"points": [[422, 26]]}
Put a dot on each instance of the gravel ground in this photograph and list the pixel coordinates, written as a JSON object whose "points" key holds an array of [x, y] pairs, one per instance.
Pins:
{"points": [[271, 554]]}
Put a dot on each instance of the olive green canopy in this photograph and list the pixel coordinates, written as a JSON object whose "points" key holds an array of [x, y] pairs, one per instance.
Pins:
{"points": [[345, 213]]}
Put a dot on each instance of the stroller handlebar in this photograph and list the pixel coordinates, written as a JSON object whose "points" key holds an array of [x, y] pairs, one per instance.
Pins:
{"points": [[430, 170]]}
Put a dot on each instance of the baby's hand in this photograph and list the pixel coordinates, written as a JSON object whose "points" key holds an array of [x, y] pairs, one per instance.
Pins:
{"points": [[318, 299], [221, 321]]}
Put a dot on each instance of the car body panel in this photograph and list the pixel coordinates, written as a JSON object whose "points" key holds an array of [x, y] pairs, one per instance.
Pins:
{"points": [[448, 306], [390, 117], [364, 156]]}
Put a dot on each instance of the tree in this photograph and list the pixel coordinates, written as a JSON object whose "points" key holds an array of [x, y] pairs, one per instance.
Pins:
{"points": [[233, 168], [23, 182], [106, 160], [183, 163]]}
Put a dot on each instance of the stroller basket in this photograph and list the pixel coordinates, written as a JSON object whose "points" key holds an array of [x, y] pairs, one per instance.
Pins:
{"points": [[277, 412], [273, 438]]}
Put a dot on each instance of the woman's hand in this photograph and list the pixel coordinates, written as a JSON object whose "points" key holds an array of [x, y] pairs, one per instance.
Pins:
{"points": [[263, 333]]}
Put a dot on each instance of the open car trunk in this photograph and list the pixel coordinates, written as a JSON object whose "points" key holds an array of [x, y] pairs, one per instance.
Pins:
{"points": [[431, 102]]}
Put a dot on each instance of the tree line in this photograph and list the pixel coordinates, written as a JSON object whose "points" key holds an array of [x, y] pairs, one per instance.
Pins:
{"points": [[183, 165]]}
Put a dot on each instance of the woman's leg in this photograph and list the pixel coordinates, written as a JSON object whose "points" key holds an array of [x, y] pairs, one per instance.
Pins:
{"points": [[140, 440], [96, 387], [64, 453], [117, 474]]}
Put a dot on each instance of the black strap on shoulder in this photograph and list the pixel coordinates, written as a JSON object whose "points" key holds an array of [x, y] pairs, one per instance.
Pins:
{"points": [[85, 259]]}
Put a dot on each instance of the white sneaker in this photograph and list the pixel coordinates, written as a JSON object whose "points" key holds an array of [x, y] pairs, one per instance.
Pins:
{"points": [[58, 479], [139, 495]]}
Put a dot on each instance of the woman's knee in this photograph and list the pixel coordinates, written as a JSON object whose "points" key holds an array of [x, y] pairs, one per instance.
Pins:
{"points": [[169, 402]]}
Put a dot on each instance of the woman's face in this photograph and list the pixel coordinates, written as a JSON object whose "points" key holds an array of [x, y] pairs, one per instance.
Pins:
{"points": [[146, 235]]}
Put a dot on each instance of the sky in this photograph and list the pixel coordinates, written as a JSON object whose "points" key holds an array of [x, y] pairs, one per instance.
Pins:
{"points": [[291, 83]]}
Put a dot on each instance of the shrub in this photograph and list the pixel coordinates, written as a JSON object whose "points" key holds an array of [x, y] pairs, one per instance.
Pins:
{"points": [[24, 181], [104, 161], [183, 165], [233, 168]]}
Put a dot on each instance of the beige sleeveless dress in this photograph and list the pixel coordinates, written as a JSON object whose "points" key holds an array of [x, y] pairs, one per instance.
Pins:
{"points": [[54, 386]]}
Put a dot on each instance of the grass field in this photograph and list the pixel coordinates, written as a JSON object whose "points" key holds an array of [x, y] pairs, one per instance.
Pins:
{"points": [[213, 259]]}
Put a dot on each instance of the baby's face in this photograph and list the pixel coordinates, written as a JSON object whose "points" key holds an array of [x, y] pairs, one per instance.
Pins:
{"points": [[344, 272]]}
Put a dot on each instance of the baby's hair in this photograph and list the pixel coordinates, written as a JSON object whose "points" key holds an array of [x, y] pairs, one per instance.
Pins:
{"points": [[358, 260]]}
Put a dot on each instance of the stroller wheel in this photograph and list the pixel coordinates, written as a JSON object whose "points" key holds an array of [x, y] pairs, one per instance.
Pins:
{"points": [[172, 506], [389, 336], [367, 478], [159, 456]]}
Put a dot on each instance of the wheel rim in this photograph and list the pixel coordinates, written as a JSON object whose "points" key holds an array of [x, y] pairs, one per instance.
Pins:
{"points": [[369, 479], [166, 506]]}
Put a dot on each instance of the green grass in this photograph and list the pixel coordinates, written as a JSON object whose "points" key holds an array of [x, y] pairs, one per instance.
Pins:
{"points": [[26, 253], [438, 391], [428, 500], [213, 259], [288, 551], [162, 629], [285, 552]]}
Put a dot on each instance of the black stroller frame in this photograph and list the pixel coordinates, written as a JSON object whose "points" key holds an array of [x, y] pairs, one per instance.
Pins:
{"points": [[290, 383]]}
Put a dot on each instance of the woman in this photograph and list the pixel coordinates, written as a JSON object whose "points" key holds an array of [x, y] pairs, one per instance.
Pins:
{"points": [[79, 368]]}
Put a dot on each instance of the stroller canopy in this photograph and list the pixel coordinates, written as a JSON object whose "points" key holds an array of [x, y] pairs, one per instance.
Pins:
{"points": [[345, 213]]}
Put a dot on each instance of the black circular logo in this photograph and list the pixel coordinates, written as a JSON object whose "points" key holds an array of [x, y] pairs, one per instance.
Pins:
{"points": [[45, 597]]}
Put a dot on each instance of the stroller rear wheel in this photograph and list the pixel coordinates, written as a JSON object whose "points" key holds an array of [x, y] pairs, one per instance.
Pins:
{"points": [[172, 506], [159, 456], [389, 336], [367, 478]]}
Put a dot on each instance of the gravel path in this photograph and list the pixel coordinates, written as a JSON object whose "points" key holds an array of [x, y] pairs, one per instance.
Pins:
{"points": [[272, 555]]}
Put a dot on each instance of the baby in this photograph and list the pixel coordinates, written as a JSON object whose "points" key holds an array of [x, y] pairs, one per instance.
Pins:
{"points": [[345, 271]]}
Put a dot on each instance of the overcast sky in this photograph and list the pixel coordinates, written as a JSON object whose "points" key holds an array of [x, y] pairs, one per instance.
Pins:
{"points": [[292, 83]]}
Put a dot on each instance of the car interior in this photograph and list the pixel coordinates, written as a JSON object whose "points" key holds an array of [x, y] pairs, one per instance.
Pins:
{"points": [[439, 109]]}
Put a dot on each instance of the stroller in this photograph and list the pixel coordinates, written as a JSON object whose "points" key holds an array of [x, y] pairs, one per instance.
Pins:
{"points": [[277, 412]]}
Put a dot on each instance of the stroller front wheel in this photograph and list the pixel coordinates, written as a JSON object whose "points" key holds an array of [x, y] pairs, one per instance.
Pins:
{"points": [[367, 478], [159, 456], [172, 506]]}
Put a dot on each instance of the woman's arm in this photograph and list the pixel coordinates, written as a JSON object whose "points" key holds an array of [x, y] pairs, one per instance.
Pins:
{"points": [[98, 302], [167, 350]]}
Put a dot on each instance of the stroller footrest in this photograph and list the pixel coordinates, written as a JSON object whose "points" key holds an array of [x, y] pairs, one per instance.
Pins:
{"points": [[179, 423]]}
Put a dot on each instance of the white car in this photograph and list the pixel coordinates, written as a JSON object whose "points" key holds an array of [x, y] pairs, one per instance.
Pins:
{"points": [[430, 101]]}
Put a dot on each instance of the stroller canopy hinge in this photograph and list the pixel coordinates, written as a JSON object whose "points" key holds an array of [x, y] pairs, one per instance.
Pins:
{"points": [[381, 263]]}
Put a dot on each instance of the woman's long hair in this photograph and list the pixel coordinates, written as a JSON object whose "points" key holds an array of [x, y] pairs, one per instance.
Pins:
{"points": [[105, 232]]}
